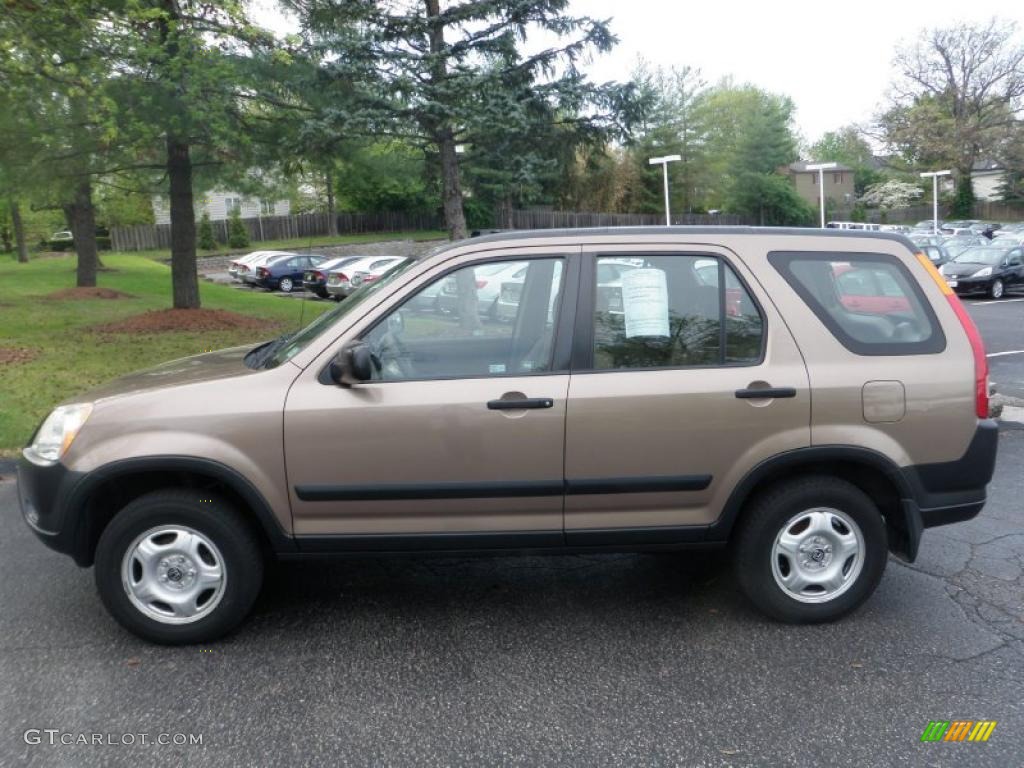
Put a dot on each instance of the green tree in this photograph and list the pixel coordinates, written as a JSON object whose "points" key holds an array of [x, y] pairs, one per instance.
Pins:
{"points": [[670, 122], [963, 199], [848, 146], [762, 141], [189, 89], [238, 236], [206, 239], [56, 116], [422, 71], [956, 95]]}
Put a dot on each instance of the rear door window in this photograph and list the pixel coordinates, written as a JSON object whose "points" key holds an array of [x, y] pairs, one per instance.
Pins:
{"points": [[870, 302], [673, 311]]}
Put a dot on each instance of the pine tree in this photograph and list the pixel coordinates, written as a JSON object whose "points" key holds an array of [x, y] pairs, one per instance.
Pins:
{"points": [[963, 201], [238, 237], [206, 239]]}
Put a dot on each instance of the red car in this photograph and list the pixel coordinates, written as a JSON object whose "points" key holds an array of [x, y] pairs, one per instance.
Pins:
{"points": [[871, 291]]}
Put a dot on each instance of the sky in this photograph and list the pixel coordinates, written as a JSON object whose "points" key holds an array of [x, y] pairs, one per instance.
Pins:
{"points": [[833, 59]]}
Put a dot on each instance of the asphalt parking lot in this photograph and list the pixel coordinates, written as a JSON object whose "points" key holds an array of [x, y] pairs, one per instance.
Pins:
{"points": [[588, 660], [1002, 326]]}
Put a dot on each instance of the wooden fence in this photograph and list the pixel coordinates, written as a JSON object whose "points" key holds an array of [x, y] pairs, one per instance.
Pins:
{"points": [[149, 236], [542, 219]]}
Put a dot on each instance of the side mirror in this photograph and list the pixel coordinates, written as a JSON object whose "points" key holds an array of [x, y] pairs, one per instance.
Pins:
{"points": [[353, 365]]}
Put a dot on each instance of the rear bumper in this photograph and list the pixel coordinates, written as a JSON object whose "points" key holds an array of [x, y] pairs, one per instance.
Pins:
{"points": [[947, 492]]}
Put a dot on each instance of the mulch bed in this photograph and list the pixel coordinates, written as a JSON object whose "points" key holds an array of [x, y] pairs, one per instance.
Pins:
{"points": [[87, 293], [16, 355], [169, 320]]}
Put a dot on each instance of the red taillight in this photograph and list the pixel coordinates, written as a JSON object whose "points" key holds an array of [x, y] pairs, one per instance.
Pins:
{"points": [[342, 277], [369, 278], [264, 272], [480, 284], [977, 345], [980, 360], [318, 275]]}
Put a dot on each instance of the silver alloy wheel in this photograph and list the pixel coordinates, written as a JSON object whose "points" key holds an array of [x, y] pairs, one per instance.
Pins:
{"points": [[174, 574], [818, 555], [286, 284], [997, 289]]}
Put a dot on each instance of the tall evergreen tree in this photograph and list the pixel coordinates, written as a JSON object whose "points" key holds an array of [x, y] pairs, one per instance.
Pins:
{"points": [[422, 72]]}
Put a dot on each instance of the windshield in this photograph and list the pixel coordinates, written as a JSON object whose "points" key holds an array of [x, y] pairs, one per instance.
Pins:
{"points": [[981, 256], [291, 345]]}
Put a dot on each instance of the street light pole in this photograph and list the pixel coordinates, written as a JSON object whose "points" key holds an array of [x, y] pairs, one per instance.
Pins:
{"points": [[935, 196], [821, 168], [663, 162]]}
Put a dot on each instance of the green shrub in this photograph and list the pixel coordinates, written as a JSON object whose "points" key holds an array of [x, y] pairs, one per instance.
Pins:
{"points": [[963, 201], [238, 237], [207, 242]]}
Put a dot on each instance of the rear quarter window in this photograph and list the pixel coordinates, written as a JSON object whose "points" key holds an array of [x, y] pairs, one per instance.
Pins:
{"points": [[870, 302]]}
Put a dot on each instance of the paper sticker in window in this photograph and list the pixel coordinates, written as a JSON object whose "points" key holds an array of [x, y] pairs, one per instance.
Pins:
{"points": [[645, 302]]}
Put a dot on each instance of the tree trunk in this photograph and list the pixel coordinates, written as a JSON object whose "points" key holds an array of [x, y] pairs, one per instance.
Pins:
{"points": [[19, 233], [504, 217], [184, 279], [444, 136], [81, 218], [332, 214], [451, 187]]}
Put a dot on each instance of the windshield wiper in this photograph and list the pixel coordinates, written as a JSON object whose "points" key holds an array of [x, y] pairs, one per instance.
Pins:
{"points": [[258, 356]]}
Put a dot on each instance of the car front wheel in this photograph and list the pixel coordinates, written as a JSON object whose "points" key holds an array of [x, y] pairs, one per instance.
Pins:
{"points": [[997, 290], [178, 567], [810, 550]]}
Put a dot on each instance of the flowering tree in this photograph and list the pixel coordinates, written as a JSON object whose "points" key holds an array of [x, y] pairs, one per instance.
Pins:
{"points": [[890, 194]]}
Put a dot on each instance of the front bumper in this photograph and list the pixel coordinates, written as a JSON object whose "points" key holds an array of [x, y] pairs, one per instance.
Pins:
{"points": [[967, 285], [42, 495]]}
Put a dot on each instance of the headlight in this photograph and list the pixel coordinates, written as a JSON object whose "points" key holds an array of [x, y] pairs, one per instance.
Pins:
{"points": [[57, 433], [983, 272]]}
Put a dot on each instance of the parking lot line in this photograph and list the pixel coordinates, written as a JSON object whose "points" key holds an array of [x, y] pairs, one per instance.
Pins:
{"points": [[1009, 352], [994, 301]]}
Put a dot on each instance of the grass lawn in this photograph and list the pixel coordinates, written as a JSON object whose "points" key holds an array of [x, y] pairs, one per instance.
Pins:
{"points": [[305, 243], [71, 357]]}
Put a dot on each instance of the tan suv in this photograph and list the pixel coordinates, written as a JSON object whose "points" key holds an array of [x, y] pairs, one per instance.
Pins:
{"points": [[813, 399]]}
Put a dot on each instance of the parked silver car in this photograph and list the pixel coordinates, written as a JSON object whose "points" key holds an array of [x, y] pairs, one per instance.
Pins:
{"points": [[339, 282]]}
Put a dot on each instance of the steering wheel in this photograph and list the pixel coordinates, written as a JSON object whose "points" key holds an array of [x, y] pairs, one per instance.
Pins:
{"points": [[392, 357]]}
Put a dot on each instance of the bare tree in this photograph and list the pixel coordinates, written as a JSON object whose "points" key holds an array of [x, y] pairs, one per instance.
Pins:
{"points": [[958, 92]]}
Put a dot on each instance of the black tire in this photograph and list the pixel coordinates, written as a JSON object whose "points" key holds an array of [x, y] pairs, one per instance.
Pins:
{"points": [[997, 290], [216, 520], [764, 519]]}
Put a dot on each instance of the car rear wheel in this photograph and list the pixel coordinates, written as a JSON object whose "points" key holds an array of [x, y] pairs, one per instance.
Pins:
{"points": [[286, 284], [810, 550], [997, 290], [178, 567]]}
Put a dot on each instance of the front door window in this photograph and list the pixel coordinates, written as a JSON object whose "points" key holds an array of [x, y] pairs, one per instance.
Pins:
{"points": [[490, 319]]}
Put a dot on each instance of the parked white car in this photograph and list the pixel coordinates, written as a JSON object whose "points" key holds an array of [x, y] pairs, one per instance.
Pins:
{"points": [[243, 265], [376, 272], [489, 279], [340, 283]]}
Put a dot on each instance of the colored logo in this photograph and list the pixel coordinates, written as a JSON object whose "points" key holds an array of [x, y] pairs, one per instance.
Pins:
{"points": [[958, 730]]}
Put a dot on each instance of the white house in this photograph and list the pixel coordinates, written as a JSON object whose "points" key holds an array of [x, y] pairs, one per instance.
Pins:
{"points": [[219, 204], [986, 178]]}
